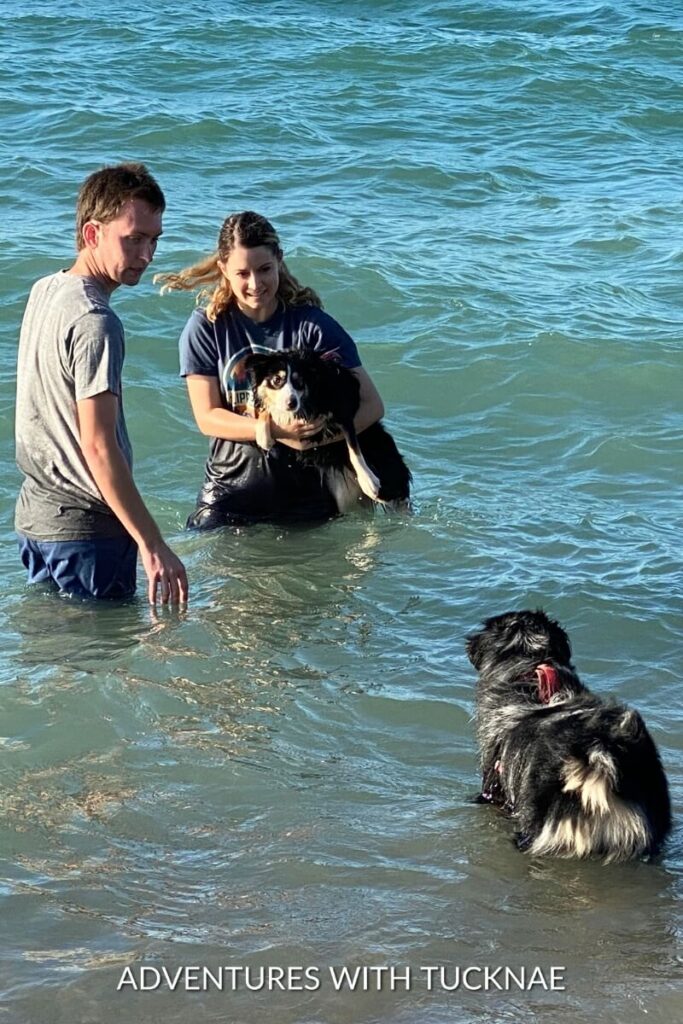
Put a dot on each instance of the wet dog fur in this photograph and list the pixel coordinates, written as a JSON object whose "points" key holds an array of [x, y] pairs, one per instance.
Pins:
{"points": [[298, 384], [581, 776]]}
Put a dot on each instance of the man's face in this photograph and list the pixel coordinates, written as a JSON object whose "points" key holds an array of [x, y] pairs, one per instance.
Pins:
{"points": [[125, 247]]}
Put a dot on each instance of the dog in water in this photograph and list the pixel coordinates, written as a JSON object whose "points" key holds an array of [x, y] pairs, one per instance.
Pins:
{"points": [[295, 384], [580, 776]]}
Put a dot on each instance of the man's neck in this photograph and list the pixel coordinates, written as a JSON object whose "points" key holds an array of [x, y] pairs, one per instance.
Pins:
{"points": [[85, 267]]}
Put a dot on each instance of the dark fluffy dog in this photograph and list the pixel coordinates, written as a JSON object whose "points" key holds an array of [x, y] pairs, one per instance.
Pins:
{"points": [[581, 776], [303, 385]]}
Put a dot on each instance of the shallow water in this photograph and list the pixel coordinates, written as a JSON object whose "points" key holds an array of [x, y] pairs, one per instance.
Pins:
{"points": [[488, 196]]}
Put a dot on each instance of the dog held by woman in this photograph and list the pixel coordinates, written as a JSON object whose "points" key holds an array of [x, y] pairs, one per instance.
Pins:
{"points": [[300, 384], [580, 776]]}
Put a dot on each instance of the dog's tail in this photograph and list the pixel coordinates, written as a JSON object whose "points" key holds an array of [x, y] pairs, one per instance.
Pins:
{"points": [[601, 812]]}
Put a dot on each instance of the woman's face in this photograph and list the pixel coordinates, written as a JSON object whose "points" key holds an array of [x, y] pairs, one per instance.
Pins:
{"points": [[253, 275]]}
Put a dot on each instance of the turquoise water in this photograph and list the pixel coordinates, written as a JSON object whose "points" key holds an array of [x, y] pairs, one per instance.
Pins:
{"points": [[489, 197]]}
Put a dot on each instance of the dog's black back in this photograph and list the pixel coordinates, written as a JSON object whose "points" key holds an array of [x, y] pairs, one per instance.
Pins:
{"points": [[581, 775]]}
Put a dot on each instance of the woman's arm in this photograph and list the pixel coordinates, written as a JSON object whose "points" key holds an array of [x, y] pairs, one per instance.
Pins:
{"points": [[371, 406], [211, 416], [327, 336]]}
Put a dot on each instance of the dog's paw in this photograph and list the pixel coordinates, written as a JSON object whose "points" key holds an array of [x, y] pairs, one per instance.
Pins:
{"points": [[369, 484], [264, 438], [522, 841], [398, 506]]}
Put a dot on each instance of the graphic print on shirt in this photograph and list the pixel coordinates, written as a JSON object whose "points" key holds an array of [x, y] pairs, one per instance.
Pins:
{"points": [[235, 380]]}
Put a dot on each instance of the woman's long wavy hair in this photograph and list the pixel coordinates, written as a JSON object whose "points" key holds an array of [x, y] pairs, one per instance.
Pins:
{"points": [[250, 230]]}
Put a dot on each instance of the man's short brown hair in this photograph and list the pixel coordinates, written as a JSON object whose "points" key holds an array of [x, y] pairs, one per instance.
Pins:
{"points": [[103, 193]]}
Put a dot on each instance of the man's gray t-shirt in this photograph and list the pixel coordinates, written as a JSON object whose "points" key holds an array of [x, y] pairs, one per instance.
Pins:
{"points": [[71, 347]]}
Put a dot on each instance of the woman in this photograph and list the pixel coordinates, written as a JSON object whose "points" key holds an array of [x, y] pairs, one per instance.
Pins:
{"points": [[255, 305]]}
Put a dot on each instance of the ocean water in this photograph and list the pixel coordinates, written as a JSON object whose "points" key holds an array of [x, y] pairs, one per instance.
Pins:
{"points": [[489, 196]]}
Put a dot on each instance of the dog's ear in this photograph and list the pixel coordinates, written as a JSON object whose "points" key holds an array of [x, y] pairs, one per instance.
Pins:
{"points": [[559, 647], [332, 356], [535, 635], [522, 634], [253, 359], [255, 365], [473, 647]]}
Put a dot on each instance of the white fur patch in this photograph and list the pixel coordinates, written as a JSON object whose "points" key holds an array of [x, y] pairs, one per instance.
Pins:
{"points": [[367, 481], [605, 822], [264, 438], [623, 832], [287, 400], [593, 781], [281, 404]]}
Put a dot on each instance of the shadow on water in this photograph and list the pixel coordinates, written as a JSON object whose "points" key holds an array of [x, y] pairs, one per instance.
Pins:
{"points": [[43, 630], [275, 587], [246, 583]]}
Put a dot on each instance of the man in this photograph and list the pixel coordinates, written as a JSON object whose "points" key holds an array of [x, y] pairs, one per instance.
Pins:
{"points": [[79, 517]]}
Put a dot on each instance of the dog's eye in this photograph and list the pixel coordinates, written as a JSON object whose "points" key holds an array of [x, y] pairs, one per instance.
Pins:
{"points": [[296, 380], [277, 380]]}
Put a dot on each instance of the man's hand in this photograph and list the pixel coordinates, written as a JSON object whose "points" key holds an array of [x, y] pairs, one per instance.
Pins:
{"points": [[167, 579]]}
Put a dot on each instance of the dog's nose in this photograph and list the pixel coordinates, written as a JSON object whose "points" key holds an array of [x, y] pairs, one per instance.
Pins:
{"points": [[292, 403]]}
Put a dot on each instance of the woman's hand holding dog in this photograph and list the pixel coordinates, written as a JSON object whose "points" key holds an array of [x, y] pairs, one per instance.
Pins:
{"points": [[297, 434]]}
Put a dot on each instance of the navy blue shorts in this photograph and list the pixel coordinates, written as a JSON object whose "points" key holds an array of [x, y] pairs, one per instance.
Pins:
{"points": [[103, 567]]}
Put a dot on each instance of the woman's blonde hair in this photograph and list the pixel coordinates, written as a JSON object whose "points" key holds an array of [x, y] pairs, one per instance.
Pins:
{"points": [[249, 230]]}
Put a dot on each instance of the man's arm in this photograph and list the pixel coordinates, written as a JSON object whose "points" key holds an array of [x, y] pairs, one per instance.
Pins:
{"points": [[97, 418]]}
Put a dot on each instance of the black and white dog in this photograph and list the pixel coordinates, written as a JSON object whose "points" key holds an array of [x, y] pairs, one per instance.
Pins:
{"points": [[581, 776], [298, 384]]}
